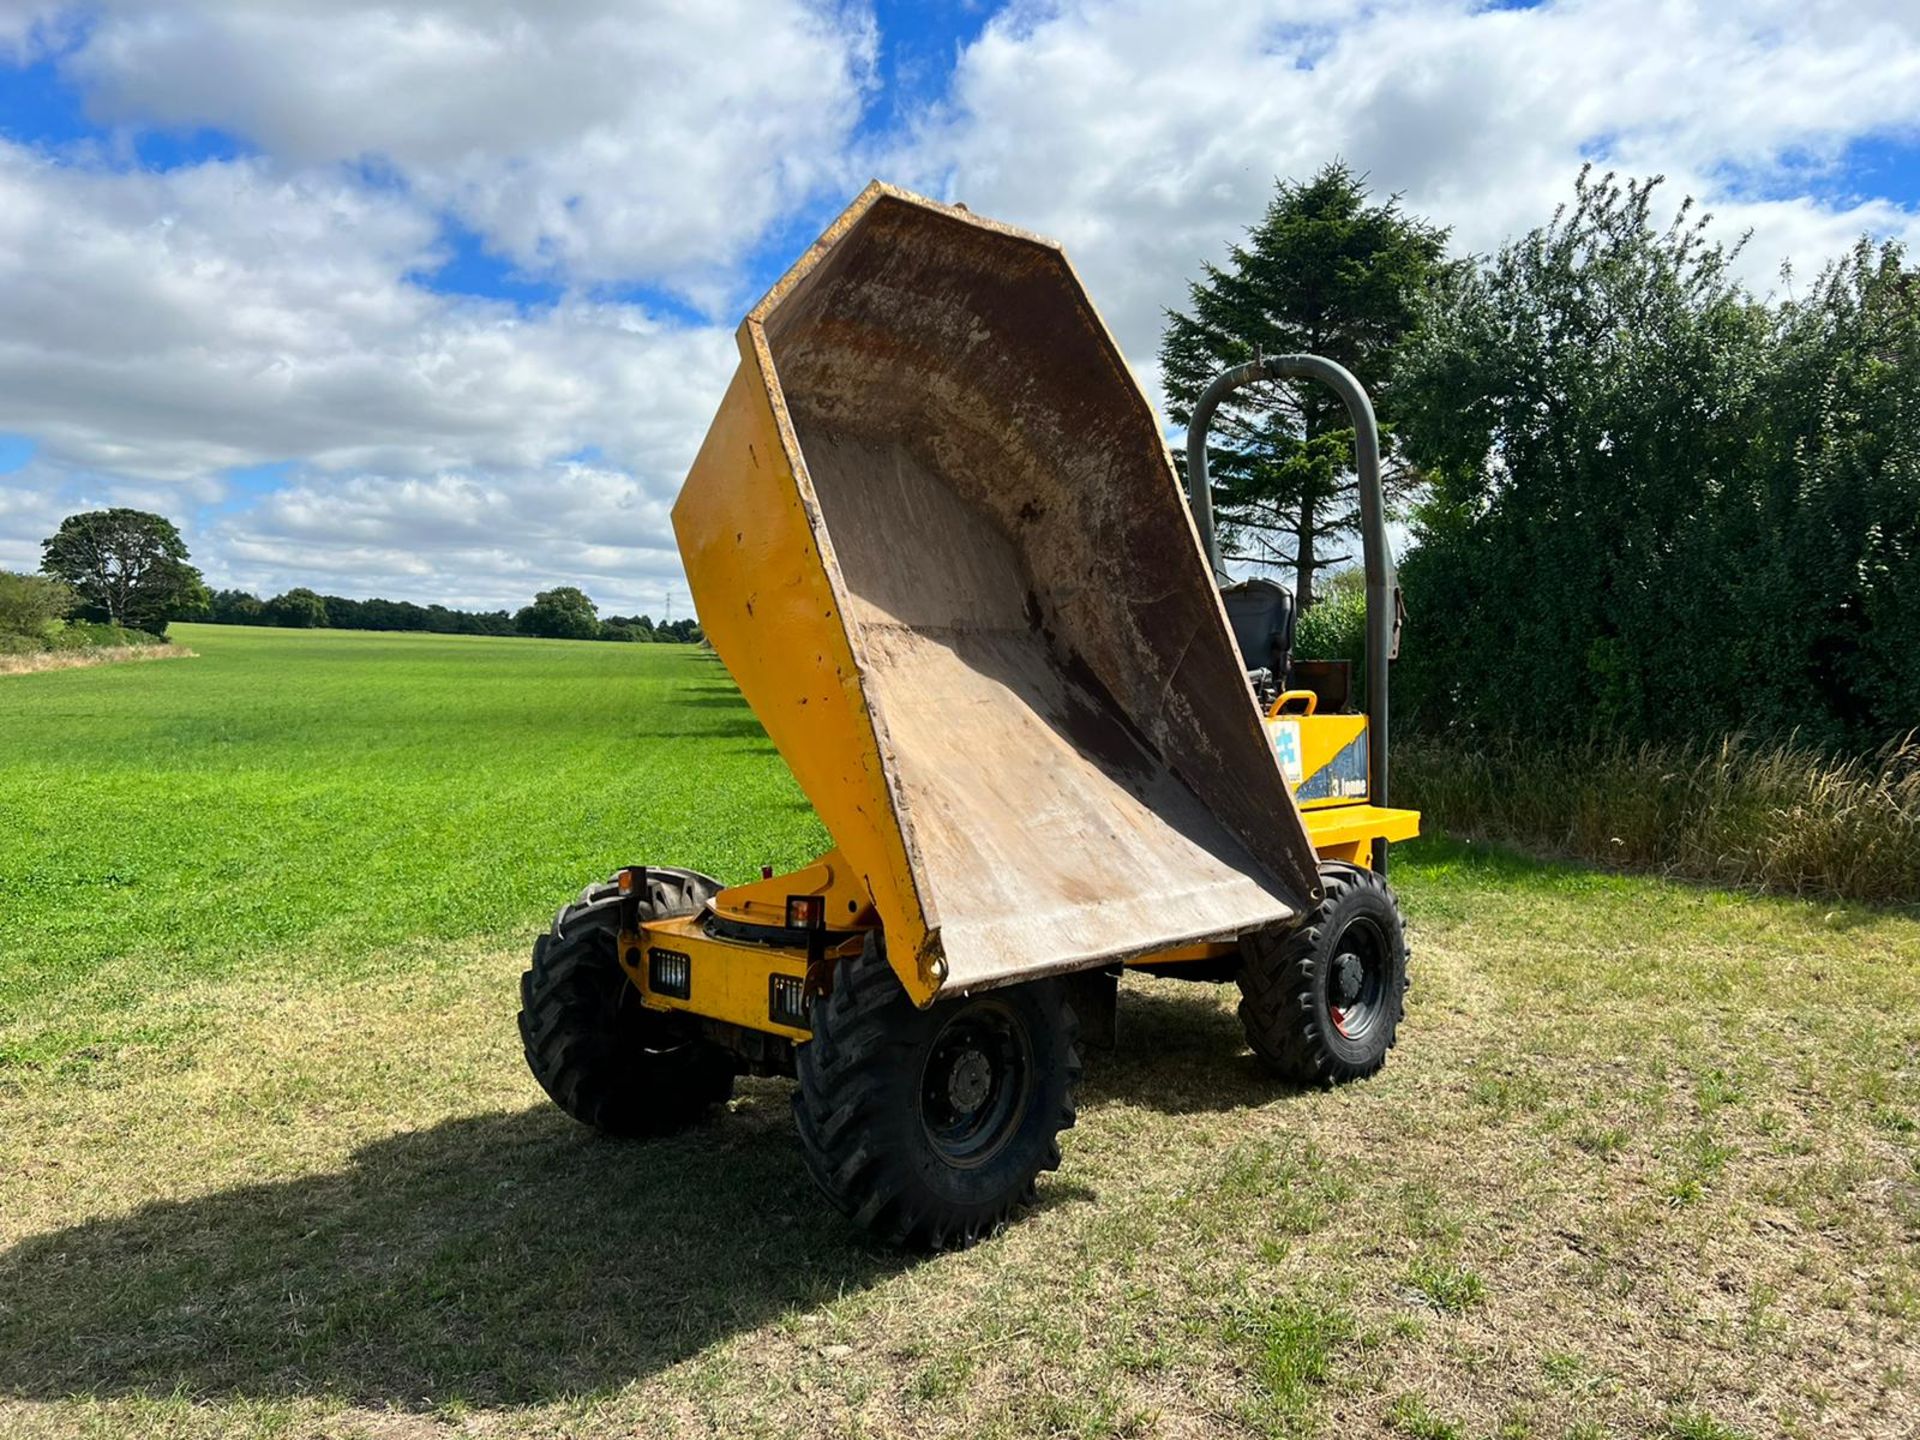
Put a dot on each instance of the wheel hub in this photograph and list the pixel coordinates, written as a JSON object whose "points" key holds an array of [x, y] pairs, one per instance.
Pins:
{"points": [[969, 1081], [1349, 978], [975, 1085]]}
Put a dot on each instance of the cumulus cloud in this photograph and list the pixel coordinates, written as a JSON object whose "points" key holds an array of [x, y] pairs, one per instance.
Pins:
{"points": [[603, 141], [160, 331], [29, 28], [477, 540], [166, 335], [1146, 136]]}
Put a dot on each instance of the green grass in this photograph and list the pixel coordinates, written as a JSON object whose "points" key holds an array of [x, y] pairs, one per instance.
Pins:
{"points": [[332, 794], [1289, 1344], [1412, 1418], [1451, 1288], [1645, 1163]]}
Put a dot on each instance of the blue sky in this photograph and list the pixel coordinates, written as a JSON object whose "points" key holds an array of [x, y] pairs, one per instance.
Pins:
{"points": [[436, 303]]}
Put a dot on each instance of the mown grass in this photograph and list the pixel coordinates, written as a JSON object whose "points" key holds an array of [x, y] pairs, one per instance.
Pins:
{"points": [[328, 795], [1646, 1163], [1774, 817]]}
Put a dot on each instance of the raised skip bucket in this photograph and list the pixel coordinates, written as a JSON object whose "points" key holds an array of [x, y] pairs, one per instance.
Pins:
{"points": [[935, 536]]}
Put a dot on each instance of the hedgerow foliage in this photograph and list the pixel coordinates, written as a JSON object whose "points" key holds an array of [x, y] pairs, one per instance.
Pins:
{"points": [[1663, 509]]}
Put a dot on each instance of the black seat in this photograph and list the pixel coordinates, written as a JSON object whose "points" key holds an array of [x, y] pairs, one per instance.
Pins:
{"points": [[1261, 613]]}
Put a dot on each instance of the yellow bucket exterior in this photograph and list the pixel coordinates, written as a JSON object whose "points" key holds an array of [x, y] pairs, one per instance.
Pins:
{"points": [[936, 537]]}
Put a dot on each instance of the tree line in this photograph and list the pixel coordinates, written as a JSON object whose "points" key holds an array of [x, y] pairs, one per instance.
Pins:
{"points": [[1646, 504], [129, 572], [563, 613]]}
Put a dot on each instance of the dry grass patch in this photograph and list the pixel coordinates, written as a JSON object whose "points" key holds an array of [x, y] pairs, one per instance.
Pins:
{"points": [[44, 660], [1647, 1163]]}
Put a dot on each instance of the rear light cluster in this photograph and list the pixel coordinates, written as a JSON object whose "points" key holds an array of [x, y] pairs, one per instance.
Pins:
{"points": [[787, 1002], [669, 972]]}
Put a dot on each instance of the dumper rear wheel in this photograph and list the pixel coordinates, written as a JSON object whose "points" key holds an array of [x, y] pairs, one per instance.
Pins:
{"points": [[602, 1056], [930, 1127], [1322, 1002]]}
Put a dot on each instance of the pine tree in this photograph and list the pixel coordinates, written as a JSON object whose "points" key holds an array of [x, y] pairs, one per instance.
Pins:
{"points": [[1326, 272]]}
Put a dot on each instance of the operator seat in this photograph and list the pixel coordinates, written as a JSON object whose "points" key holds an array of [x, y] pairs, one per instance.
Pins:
{"points": [[1261, 614]]}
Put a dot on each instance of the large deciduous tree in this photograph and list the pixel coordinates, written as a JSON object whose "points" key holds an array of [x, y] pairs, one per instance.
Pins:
{"points": [[562, 613], [1327, 271], [129, 566]]}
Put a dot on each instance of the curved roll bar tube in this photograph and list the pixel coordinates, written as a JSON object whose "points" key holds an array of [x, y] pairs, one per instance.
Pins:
{"points": [[1375, 552]]}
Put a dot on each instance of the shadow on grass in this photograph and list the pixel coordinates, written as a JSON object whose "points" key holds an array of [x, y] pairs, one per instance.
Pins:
{"points": [[1181, 1052], [710, 712], [497, 1259], [508, 1258]]}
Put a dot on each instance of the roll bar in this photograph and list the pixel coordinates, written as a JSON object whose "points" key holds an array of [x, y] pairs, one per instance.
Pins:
{"points": [[1374, 550]]}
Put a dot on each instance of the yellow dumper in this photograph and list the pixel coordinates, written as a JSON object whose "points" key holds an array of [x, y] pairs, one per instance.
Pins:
{"points": [[936, 537]]}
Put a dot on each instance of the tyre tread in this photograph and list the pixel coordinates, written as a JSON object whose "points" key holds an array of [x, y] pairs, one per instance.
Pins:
{"points": [[564, 994], [1281, 980], [847, 1090]]}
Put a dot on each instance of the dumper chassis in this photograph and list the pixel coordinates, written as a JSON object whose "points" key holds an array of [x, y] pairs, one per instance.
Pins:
{"points": [[936, 539]]}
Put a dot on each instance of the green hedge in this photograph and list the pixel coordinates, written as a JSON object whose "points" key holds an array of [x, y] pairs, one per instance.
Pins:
{"points": [[1661, 508], [76, 635]]}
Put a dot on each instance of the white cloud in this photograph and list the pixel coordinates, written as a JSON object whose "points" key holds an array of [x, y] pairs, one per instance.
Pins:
{"points": [[605, 141], [157, 331], [30, 27], [468, 540], [1147, 136]]}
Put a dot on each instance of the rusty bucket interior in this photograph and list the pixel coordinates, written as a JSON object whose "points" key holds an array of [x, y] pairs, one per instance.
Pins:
{"points": [[968, 549]]}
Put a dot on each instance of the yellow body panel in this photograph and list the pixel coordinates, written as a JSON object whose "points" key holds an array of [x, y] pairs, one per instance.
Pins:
{"points": [[1324, 757], [729, 980], [832, 877], [1349, 825], [749, 537], [1212, 950]]}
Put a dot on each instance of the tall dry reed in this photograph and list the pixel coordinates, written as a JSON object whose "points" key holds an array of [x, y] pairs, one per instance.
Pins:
{"points": [[1776, 817]]}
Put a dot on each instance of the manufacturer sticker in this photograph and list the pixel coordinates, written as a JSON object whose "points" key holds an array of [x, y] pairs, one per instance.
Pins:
{"points": [[1286, 745]]}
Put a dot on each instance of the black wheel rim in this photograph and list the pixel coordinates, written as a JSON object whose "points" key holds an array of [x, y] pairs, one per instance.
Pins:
{"points": [[976, 1083], [1357, 980]]}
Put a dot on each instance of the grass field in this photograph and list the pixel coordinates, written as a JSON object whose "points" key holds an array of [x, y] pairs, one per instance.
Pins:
{"points": [[1646, 1163], [328, 798]]}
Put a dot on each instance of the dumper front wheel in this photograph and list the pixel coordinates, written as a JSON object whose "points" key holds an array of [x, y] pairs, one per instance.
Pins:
{"points": [[601, 1055], [930, 1127], [1322, 1002]]}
